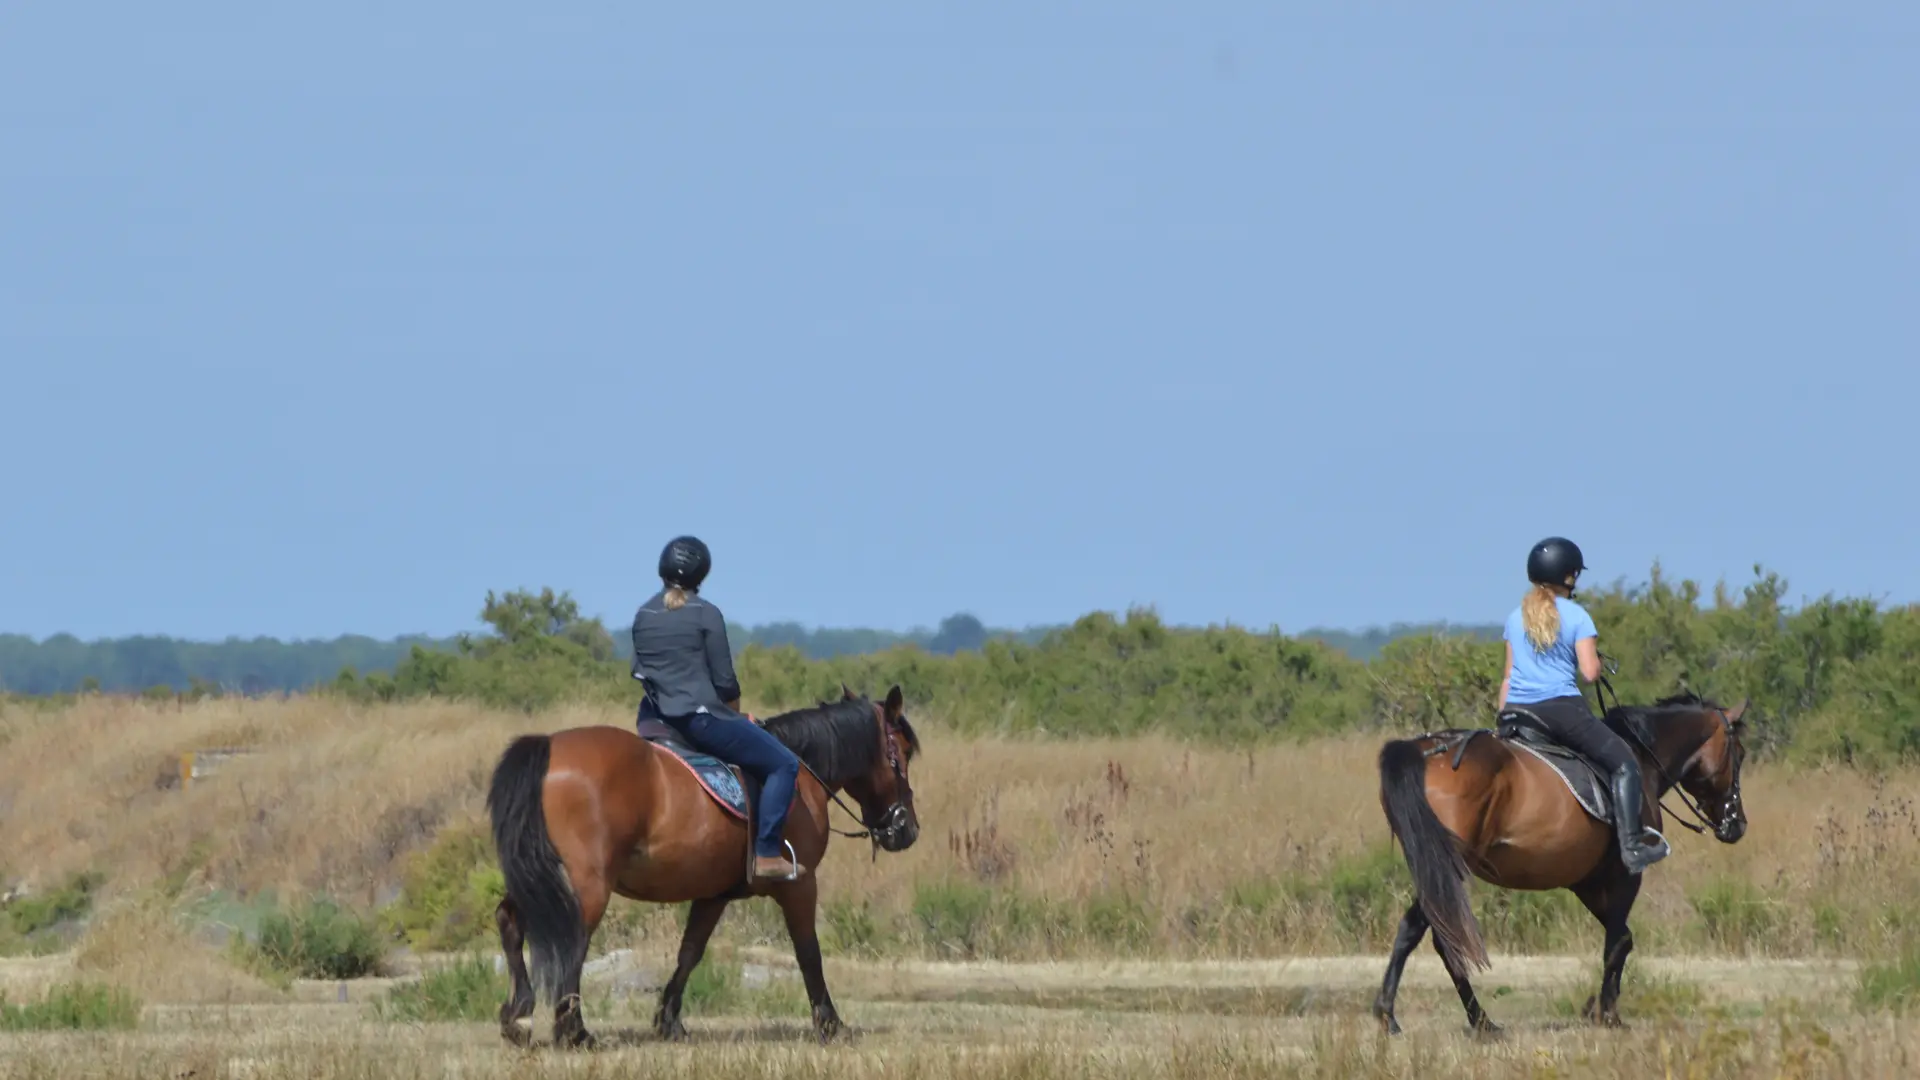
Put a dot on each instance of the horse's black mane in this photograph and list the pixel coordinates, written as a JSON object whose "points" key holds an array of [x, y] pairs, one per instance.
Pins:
{"points": [[838, 740], [1687, 698], [1635, 722]]}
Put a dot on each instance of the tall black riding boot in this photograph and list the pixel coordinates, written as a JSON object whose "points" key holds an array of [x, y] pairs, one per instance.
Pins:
{"points": [[1640, 847]]}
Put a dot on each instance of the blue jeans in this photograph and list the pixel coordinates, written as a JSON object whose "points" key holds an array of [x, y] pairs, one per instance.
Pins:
{"points": [[737, 740]]}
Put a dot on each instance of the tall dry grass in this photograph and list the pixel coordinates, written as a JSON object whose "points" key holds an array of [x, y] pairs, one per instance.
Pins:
{"points": [[1141, 846]]}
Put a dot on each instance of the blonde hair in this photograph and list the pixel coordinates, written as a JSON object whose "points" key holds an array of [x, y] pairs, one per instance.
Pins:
{"points": [[676, 598], [1541, 616]]}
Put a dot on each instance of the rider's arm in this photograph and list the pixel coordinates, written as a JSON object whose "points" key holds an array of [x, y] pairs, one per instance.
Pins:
{"points": [[1587, 649], [1506, 680], [713, 627], [1586, 644]]}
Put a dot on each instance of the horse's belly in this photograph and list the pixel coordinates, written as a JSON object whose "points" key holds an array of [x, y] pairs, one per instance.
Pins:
{"points": [[694, 852], [673, 873], [1546, 854]]}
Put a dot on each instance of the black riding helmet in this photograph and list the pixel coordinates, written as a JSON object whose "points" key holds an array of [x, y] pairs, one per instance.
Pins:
{"points": [[685, 562], [1553, 560]]}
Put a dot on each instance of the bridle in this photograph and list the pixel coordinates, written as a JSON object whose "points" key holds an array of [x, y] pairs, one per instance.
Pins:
{"points": [[1729, 804], [896, 814]]}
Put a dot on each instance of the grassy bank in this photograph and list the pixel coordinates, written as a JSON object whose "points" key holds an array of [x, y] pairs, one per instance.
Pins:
{"points": [[1134, 847]]}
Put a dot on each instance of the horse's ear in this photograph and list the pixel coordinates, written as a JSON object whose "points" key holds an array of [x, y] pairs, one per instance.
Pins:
{"points": [[895, 701], [846, 692], [1736, 717]]}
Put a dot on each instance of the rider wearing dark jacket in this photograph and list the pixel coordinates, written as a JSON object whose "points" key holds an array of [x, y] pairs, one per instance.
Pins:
{"points": [[1550, 639], [680, 655]]}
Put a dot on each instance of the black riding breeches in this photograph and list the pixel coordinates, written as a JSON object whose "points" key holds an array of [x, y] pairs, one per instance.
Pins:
{"points": [[1572, 723]]}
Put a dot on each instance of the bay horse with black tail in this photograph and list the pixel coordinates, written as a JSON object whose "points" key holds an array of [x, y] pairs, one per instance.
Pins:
{"points": [[1518, 811], [587, 813]]}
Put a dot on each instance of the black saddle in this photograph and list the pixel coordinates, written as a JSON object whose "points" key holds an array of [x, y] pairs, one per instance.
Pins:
{"points": [[1585, 778], [658, 731]]}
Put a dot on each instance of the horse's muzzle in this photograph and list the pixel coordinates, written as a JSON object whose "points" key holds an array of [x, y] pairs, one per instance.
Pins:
{"points": [[1733, 820], [898, 831]]}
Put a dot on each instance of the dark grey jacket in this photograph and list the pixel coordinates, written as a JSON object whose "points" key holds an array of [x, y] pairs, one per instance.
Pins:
{"points": [[682, 656]]}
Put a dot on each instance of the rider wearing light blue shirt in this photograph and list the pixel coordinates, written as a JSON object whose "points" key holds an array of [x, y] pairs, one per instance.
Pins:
{"points": [[1539, 676], [1551, 640]]}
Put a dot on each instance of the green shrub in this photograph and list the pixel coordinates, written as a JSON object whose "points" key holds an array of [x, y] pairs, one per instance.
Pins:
{"points": [[73, 1006], [1893, 983], [467, 989], [1734, 914], [320, 940], [448, 892], [1529, 921], [954, 917], [854, 929], [27, 925]]}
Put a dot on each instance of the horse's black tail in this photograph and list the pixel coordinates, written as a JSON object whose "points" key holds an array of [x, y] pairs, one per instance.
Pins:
{"points": [[549, 912], [1433, 855]]}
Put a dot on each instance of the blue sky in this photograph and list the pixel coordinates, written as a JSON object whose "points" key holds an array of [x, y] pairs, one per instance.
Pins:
{"points": [[332, 320]]}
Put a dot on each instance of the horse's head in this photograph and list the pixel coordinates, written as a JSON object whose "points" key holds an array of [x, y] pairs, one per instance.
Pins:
{"points": [[1713, 777], [885, 793], [1700, 751]]}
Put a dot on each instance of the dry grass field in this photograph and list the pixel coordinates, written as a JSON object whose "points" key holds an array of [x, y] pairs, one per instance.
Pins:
{"points": [[1111, 908]]}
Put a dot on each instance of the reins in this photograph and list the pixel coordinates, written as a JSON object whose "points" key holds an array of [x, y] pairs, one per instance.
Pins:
{"points": [[1602, 687]]}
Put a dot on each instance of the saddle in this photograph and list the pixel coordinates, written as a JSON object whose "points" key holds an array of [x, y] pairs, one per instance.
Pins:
{"points": [[735, 789], [1521, 729]]}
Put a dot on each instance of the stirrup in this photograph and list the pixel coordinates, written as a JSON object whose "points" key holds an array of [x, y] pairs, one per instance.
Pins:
{"points": [[1642, 852], [793, 860]]}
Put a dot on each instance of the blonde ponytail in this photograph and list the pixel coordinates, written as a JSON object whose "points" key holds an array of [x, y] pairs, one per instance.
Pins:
{"points": [[1542, 618], [676, 598]]}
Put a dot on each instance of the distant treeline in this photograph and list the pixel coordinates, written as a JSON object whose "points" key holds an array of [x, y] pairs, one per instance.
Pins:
{"points": [[63, 664], [1837, 678]]}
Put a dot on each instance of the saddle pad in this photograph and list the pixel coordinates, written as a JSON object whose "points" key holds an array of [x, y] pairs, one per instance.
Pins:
{"points": [[1581, 779], [714, 775]]}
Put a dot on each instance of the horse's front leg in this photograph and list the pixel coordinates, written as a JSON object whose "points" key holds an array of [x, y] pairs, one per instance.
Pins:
{"points": [[798, 903], [1611, 901]]}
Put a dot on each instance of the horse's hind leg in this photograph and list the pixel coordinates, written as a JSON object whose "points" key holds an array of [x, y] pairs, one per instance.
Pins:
{"points": [[1477, 1018], [1413, 927], [701, 919], [516, 1013], [798, 903], [569, 1028]]}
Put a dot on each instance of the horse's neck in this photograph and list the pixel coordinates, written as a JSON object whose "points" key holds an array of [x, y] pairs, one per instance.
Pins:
{"points": [[1668, 758]]}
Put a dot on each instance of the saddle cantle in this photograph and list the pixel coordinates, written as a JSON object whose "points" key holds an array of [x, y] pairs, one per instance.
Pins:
{"points": [[728, 784], [1587, 781]]}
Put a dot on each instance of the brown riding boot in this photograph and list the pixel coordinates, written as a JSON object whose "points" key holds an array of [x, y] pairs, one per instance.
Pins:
{"points": [[775, 868]]}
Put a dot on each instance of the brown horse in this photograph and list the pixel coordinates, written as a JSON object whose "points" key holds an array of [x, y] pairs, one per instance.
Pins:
{"points": [[1470, 801], [585, 813]]}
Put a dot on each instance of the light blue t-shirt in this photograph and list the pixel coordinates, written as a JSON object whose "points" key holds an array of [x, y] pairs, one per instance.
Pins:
{"points": [[1538, 676]]}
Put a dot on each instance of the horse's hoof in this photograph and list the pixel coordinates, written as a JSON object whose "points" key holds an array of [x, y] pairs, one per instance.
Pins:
{"points": [[517, 1030], [828, 1031], [1488, 1031], [1388, 1025], [670, 1030]]}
